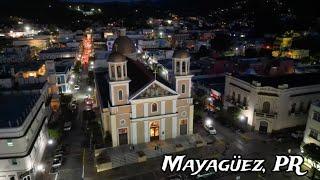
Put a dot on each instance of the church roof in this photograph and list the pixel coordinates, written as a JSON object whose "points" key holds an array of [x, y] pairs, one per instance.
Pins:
{"points": [[139, 74], [123, 45]]}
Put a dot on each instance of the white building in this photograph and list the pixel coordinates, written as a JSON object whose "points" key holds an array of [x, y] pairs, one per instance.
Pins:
{"points": [[58, 53], [272, 103], [23, 131], [312, 132]]}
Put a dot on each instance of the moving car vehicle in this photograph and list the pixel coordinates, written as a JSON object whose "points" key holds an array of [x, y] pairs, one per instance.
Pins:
{"points": [[67, 126], [210, 129], [76, 87]]}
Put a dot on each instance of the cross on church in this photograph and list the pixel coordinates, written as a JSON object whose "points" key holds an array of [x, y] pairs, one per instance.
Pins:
{"points": [[155, 72]]}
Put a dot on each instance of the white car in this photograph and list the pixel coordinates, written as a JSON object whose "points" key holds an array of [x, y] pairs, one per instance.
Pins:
{"points": [[210, 129], [67, 126], [76, 87], [57, 162]]}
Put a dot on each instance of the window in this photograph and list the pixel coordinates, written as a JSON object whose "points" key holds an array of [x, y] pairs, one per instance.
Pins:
{"points": [[119, 71], [314, 134], [301, 107], [14, 161], [178, 67], [309, 104], [233, 95], [239, 98], [293, 107], [183, 67], [124, 70], [154, 107], [183, 88], [316, 116], [120, 95], [9, 142], [62, 79], [244, 101], [266, 107], [112, 72]]}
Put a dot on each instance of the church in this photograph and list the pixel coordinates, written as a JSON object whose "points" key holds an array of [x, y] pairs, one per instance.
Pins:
{"points": [[137, 105]]}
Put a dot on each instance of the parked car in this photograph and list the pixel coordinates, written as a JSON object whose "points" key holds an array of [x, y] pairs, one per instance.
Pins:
{"points": [[60, 149], [175, 177], [205, 174], [58, 154], [210, 129], [88, 107], [67, 126], [76, 87], [297, 134], [57, 162], [73, 107], [53, 170]]}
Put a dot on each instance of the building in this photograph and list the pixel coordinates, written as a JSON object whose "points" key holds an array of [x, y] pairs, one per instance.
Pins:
{"points": [[312, 131], [58, 53], [23, 131], [272, 103], [138, 106], [63, 75]]}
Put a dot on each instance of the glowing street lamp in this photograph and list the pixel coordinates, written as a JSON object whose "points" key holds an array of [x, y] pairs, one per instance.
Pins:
{"points": [[208, 122], [27, 28], [242, 118], [50, 141], [40, 168], [89, 89]]}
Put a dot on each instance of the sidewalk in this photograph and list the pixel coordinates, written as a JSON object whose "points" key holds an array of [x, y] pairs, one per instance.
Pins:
{"points": [[124, 155]]}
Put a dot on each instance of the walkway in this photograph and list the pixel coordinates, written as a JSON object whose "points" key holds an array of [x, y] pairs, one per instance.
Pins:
{"points": [[123, 155]]}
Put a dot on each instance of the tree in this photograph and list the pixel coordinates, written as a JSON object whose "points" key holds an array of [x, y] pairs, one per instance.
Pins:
{"points": [[312, 151], [77, 67], [199, 107]]}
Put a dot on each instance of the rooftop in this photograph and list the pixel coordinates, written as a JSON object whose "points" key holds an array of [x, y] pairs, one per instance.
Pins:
{"points": [[15, 107], [139, 74], [293, 80], [58, 50]]}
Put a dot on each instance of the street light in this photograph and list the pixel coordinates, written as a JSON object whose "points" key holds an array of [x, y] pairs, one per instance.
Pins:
{"points": [[40, 168], [27, 28], [208, 122], [242, 118], [50, 141], [89, 89]]}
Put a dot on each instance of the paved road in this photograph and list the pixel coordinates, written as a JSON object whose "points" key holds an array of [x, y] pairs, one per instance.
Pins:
{"points": [[72, 166]]}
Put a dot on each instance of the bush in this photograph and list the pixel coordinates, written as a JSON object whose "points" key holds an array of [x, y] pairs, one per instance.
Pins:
{"points": [[54, 134]]}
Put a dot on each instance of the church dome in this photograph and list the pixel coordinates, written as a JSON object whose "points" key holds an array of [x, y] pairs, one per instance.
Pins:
{"points": [[123, 45], [181, 54], [116, 57]]}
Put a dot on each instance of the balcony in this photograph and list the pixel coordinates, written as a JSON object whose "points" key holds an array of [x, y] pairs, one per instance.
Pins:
{"points": [[240, 105], [260, 113]]}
